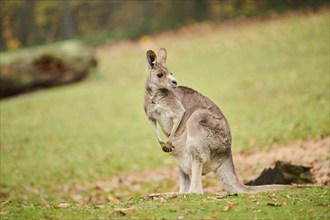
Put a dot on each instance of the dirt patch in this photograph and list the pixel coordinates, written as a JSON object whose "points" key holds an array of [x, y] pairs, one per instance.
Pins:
{"points": [[311, 153]]}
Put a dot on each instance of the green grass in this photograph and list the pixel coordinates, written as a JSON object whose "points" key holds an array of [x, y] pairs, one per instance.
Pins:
{"points": [[294, 204], [271, 79]]}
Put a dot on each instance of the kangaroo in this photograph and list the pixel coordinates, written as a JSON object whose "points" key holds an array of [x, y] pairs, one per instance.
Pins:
{"points": [[198, 133]]}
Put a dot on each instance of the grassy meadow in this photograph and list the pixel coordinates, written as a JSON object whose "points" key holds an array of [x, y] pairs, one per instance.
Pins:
{"points": [[270, 78]]}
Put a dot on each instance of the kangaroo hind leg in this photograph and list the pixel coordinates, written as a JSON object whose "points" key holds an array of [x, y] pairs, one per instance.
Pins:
{"points": [[196, 177], [184, 181], [198, 149]]}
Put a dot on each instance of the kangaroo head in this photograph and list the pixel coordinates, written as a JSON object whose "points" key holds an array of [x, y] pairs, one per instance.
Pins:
{"points": [[159, 75]]}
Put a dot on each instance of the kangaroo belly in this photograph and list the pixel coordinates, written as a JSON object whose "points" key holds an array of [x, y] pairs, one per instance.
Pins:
{"points": [[185, 164]]}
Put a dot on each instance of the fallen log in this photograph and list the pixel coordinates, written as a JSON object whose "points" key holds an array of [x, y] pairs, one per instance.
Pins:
{"points": [[44, 66]]}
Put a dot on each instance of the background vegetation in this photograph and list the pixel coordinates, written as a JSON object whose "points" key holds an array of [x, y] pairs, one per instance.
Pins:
{"points": [[32, 22], [270, 78]]}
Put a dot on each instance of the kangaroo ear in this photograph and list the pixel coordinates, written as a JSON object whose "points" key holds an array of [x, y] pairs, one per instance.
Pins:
{"points": [[162, 54], [151, 58]]}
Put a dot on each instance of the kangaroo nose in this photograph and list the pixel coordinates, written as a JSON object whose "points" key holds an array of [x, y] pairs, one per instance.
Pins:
{"points": [[174, 82]]}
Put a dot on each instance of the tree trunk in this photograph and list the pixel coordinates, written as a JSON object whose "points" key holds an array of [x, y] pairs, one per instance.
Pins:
{"points": [[67, 20]]}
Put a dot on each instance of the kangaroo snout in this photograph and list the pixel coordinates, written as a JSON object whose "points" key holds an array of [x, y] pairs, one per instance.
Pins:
{"points": [[173, 82]]}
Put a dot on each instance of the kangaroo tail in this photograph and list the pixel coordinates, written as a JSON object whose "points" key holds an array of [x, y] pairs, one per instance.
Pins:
{"points": [[227, 175]]}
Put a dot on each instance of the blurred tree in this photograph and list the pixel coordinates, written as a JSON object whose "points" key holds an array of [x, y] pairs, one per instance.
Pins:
{"points": [[48, 16], [146, 20], [31, 22], [201, 9], [9, 27], [68, 28]]}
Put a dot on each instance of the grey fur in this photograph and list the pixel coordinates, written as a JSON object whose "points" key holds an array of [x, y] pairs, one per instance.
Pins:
{"points": [[198, 133]]}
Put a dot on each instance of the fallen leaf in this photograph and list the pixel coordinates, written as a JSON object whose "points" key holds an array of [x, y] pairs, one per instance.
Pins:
{"points": [[284, 202], [218, 196], [232, 194], [273, 197], [87, 201], [114, 201], [100, 206], [174, 196], [213, 216], [273, 204], [154, 195], [5, 202], [63, 205], [124, 209], [227, 207], [250, 208], [121, 213]]}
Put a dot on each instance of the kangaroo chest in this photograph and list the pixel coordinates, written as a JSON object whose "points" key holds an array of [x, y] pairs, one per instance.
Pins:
{"points": [[163, 115], [164, 107]]}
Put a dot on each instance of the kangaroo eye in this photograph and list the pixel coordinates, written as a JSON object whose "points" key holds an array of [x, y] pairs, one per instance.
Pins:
{"points": [[160, 75]]}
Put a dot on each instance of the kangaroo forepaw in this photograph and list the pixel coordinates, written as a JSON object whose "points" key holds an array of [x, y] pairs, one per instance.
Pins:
{"points": [[166, 147]]}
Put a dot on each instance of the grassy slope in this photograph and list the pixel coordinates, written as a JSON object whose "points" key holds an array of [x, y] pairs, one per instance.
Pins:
{"points": [[293, 204], [270, 79]]}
